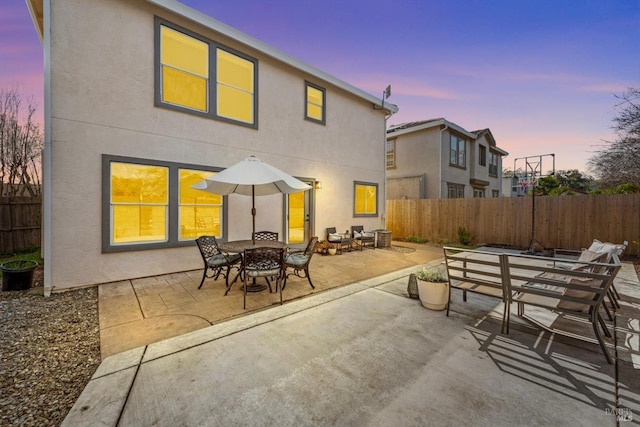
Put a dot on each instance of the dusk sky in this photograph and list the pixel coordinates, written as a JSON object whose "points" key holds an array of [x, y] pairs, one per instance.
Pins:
{"points": [[540, 74]]}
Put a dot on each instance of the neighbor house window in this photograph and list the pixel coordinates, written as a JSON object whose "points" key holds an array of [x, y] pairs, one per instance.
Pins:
{"points": [[483, 155], [458, 151], [365, 199], [495, 193], [478, 192], [391, 154], [455, 191], [199, 76], [149, 204], [493, 164], [315, 103]]}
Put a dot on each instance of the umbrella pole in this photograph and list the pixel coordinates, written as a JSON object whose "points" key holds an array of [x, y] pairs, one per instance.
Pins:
{"points": [[253, 213]]}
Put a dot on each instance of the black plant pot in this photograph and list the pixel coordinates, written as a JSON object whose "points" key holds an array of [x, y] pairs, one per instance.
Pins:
{"points": [[17, 275]]}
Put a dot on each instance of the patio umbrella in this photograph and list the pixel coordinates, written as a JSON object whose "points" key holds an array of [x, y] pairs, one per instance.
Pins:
{"points": [[252, 177]]}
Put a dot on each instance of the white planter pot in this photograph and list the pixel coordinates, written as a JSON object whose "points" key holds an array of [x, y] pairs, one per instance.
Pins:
{"points": [[332, 251], [433, 296]]}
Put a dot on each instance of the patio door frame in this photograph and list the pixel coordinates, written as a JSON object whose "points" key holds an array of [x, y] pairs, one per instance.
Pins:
{"points": [[309, 212]]}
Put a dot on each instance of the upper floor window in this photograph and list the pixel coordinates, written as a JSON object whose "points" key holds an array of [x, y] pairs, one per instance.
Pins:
{"points": [[199, 76], [483, 155], [493, 164], [315, 103], [458, 151], [455, 191], [365, 201], [391, 154]]}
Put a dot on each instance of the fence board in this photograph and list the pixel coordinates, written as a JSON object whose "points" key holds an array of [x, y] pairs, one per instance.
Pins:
{"points": [[570, 222], [20, 222]]}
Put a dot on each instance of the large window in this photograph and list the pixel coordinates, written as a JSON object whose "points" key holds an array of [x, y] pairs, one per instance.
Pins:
{"points": [[315, 108], [455, 191], [199, 76], [149, 204], [458, 151], [391, 154], [365, 199]]}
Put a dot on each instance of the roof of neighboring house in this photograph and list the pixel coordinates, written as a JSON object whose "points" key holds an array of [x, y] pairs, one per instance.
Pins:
{"points": [[405, 128], [396, 130], [173, 6]]}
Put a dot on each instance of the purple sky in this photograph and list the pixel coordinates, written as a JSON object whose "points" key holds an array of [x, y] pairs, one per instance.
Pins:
{"points": [[540, 74]]}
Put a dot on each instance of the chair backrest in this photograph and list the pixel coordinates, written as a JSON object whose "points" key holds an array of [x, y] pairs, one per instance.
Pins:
{"points": [[330, 230], [263, 259], [208, 246], [265, 235], [311, 246]]}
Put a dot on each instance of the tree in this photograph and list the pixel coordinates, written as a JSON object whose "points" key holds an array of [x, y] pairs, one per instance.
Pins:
{"points": [[564, 182], [20, 145], [619, 161]]}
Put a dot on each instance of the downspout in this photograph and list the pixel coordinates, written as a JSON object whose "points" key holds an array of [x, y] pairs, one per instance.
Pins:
{"points": [[383, 218], [440, 162], [46, 152]]}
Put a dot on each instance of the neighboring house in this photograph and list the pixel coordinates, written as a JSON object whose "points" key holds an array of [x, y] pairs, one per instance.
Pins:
{"points": [[143, 98], [511, 185], [437, 159]]}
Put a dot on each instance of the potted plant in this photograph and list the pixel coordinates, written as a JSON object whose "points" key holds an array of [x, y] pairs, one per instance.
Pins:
{"points": [[433, 287], [17, 274], [332, 250], [322, 247]]}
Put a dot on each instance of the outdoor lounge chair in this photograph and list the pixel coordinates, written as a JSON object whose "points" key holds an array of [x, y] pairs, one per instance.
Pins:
{"points": [[216, 260], [263, 262], [363, 238], [338, 240], [299, 262]]}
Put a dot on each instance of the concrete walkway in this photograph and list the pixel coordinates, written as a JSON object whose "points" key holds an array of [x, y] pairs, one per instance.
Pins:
{"points": [[365, 354]]}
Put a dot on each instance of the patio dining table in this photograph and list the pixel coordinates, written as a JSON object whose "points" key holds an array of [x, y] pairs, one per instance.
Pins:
{"points": [[239, 246]]}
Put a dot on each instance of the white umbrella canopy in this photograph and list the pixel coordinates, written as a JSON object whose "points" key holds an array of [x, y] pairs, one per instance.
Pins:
{"points": [[251, 177]]}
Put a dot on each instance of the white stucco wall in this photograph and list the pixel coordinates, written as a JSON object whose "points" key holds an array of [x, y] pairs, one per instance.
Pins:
{"points": [[102, 102]]}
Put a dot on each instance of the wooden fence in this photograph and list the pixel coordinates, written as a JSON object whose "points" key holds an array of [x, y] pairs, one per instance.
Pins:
{"points": [[20, 220], [570, 222]]}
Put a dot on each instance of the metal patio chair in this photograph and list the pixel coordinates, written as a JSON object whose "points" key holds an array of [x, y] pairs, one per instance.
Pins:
{"points": [[299, 262], [216, 260], [263, 262]]}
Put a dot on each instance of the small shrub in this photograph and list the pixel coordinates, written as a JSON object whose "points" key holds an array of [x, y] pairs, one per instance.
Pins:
{"points": [[415, 239], [464, 236]]}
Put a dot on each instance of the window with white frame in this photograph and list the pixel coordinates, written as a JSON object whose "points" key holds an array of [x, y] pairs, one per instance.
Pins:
{"points": [[493, 164], [455, 191], [391, 154]]}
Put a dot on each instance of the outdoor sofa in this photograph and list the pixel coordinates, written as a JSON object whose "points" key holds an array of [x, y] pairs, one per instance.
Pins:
{"points": [[576, 288]]}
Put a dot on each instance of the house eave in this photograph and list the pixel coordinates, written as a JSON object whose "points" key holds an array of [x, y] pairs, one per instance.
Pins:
{"points": [[35, 8], [435, 123], [234, 34]]}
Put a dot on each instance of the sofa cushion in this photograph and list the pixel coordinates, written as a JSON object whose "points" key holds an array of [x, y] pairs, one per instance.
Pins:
{"points": [[578, 293]]}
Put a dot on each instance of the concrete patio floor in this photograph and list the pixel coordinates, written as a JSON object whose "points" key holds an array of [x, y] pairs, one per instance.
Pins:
{"points": [[365, 354], [139, 312]]}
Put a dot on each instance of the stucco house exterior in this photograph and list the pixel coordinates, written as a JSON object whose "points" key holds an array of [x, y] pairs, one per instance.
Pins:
{"points": [[143, 98], [438, 159]]}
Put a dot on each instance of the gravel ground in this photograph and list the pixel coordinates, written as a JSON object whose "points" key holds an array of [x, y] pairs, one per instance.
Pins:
{"points": [[49, 349]]}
